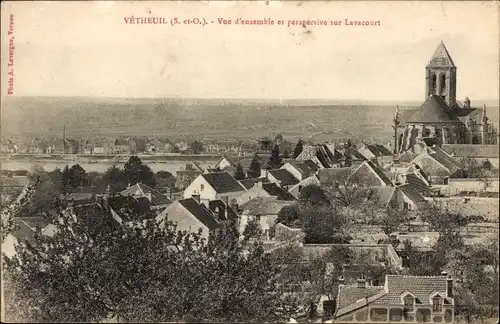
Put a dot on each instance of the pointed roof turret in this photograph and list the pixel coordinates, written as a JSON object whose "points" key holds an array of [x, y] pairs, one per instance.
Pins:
{"points": [[441, 57]]}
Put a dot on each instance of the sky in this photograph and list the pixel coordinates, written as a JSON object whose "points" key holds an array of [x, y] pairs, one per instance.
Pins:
{"points": [[87, 49]]}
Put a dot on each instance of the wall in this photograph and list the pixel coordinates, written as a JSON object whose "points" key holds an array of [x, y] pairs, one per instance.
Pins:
{"points": [[455, 186], [494, 161], [290, 168], [266, 222], [208, 193], [308, 181], [255, 191], [369, 314], [183, 218], [470, 206]]}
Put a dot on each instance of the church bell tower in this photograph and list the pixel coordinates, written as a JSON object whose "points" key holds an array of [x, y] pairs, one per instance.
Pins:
{"points": [[441, 76]]}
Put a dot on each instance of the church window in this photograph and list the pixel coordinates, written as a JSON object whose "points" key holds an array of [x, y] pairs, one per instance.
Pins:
{"points": [[432, 89], [442, 84]]}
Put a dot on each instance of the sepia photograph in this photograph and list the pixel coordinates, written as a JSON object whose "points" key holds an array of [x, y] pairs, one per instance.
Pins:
{"points": [[250, 161]]}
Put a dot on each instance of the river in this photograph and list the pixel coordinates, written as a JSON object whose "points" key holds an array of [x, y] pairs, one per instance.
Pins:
{"points": [[171, 166]]}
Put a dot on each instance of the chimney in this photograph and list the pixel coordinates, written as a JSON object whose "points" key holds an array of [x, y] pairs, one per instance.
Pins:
{"points": [[449, 286], [217, 213], [196, 197], [341, 280], [361, 282]]}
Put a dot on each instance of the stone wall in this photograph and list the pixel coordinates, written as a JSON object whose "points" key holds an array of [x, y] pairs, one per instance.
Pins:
{"points": [[470, 206]]}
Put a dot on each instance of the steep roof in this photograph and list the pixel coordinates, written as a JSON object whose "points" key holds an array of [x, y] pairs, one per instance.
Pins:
{"points": [[140, 190], [223, 182], [334, 174], [351, 294], [275, 190], [379, 150], [202, 213], [444, 159], [421, 287], [472, 151], [367, 169], [411, 193], [417, 183], [441, 57], [284, 177], [264, 206], [434, 110], [306, 168], [384, 194], [247, 183]]}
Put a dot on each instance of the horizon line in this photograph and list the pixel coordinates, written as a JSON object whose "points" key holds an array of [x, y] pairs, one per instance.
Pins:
{"points": [[226, 98]]}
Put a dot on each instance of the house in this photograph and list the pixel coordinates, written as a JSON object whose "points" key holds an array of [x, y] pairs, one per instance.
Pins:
{"points": [[377, 153], [229, 163], [187, 175], [8, 146], [157, 146], [301, 169], [77, 198], [190, 215], [480, 153], [412, 299], [121, 146], [223, 212], [182, 146], [140, 190], [264, 210], [261, 188], [411, 174], [437, 165], [71, 146], [212, 147], [403, 197], [212, 186], [371, 175], [334, 176], [281, 177], [26, 230]]}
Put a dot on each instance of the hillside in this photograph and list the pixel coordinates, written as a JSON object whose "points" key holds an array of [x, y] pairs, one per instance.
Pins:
{"points": [[195, 118]]}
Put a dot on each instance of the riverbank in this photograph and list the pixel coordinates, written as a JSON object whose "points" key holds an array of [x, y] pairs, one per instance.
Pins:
{"points": [[107, 157]]}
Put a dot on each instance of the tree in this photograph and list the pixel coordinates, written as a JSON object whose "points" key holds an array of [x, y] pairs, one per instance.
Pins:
{"points": [[253, 230], [254, 168], [135, 171], [314, 195], [289, 216], [238, 173], [275, 161], [72, 178], [115, 178], [298, 149], [197, 147], [322, 224], [88, 272]]}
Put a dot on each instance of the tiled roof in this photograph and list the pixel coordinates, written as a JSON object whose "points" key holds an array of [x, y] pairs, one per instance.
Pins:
{"points": [[306, 168], [353, 154], [379, 150], [417, 183], [140, 190], [275, 190], [214, 204], [468, 150], [430, 141], [444, 159], [13, 181], [223, 182], [338, 175], [27, 227], [247, 183], [202, 213], [441, 57], [434, 110], [411, 193], [363, 172], [284, 177], [419, 286], [264, 206], [350, 294], [407, 156]]}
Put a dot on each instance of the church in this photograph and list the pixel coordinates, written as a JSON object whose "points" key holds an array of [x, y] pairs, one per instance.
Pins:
{"points": [[441, 119]]}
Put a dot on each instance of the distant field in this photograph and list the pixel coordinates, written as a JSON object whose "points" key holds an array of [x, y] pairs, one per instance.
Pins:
{"points": [[197, 119]]}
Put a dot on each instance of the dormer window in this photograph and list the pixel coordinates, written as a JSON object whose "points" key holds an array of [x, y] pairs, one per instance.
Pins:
{"points": [[202, 187], [408, 302], [437, 304]]}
